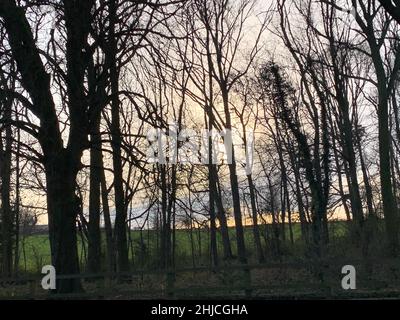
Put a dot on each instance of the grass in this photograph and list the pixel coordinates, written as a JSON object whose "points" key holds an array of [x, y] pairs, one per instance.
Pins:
{"points": [[144, 248]]}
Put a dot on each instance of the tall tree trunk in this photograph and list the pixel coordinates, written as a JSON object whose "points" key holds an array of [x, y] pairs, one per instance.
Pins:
{"points": [[212, 176], [121, 240], [165, 232], [275, 227], [299, 196], [241, 247], [254, 216], [171, 217], [221, 215], [94, 236], [254, 210], [5, 175], [111, 261], [289, 210], [17, 202], [340, 181], [367, 185], [284, 195], [63, 209], [215, 192], [390, 209], [211, 194]]}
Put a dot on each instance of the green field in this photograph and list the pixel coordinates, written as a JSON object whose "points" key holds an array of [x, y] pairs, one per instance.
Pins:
{"points": [[144, 247]]}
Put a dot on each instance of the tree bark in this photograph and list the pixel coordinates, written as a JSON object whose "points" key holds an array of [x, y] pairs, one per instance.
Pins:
{"points": [[5, 175], [94, 235], [254, 216], [63, 208]]}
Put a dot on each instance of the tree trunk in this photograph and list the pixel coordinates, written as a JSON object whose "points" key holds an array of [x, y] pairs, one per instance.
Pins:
{"points": [[17, 203], [62, 210], [165, 232], [299, 196], [254, 211], [390, 209], [241, 247], [6, 211], [211, 195], [94, 235], [367, 185], [121, 240], [340, 181], [221, 215], [107, 222]]}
